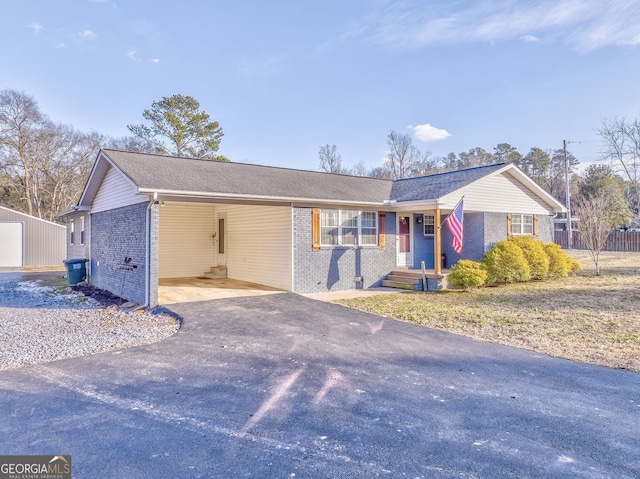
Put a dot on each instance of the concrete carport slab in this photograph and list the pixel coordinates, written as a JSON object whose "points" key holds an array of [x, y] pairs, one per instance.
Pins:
{"points": [[283, 386], [186, 290]]}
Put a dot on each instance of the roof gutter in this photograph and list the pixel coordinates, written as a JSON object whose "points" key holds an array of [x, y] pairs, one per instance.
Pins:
{"points": [[237, 196]]}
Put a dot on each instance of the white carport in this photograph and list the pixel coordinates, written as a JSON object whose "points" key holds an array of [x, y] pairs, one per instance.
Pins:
{"points": [[245, 242]]}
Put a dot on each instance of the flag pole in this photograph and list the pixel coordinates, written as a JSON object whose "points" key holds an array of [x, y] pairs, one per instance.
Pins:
{"points": [[454, 208]]}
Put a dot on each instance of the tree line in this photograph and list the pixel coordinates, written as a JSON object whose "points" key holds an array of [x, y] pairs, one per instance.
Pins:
{"points": [[405, 160], [614, 182], [44, 165]]}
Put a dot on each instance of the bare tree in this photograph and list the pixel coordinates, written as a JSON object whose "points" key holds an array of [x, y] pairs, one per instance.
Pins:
{"points": [[404, 159], [594, 225], [43, 165], [621, 147], [601, 207], [21, 128], [130, 143], [330, 159], [359, 169]]}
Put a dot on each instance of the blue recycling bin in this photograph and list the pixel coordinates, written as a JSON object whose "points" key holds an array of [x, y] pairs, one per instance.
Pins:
{"points": [[76, 270]]}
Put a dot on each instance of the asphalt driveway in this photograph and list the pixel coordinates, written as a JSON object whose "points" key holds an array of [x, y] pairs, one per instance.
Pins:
{"points": [[284, 386]]}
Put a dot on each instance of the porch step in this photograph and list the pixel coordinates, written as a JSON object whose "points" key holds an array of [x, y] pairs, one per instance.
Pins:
{"points": [[400, 284], [404, 279], [216, 272], [407, 273], [399, 277]]}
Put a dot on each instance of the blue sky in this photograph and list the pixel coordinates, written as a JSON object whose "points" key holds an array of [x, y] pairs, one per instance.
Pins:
{"points": [[285, 77]]}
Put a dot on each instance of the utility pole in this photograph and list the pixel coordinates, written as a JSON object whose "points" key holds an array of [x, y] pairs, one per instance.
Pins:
{"points": [[567, 178]]}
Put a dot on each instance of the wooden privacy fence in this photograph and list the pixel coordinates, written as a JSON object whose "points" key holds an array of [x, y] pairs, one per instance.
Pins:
{"points": [[617, 240]]}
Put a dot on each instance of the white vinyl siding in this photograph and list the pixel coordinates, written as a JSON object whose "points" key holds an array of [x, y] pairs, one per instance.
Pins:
{"points": [[499, 194], [115, 191], [79, 250], [259, 244], [186, 239]]}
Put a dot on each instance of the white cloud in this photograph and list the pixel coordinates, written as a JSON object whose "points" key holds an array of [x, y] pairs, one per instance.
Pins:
{"points": [[61, 45], [582, 24], [427, 132], [530, 39], [35, 26], [88, 34], [131, 53]]}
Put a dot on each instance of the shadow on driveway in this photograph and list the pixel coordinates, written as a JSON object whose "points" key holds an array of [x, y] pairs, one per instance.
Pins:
{"points": [[285, 386]]}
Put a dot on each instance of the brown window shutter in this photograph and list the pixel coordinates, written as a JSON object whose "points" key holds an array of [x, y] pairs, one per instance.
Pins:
{"points": [[315, 229], [535, 225], [508, 225], [382, 242]]}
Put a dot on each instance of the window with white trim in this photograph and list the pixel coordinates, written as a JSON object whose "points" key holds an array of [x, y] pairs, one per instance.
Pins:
{"points": [[348, 227], [72, 231], [521, 224], [82, 230], [429, 222]]}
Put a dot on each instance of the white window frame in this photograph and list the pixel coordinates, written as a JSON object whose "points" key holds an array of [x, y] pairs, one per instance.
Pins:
{"points": [[342, 229], [431, 222], [521, 223], [72, 232], [82, 238]]}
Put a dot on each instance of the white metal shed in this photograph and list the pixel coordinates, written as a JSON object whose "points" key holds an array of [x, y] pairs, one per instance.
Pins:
{"points": [[29, 241]]}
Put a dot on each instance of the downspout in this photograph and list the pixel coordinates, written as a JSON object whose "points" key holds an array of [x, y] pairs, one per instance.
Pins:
{"points": [[147, 250]]}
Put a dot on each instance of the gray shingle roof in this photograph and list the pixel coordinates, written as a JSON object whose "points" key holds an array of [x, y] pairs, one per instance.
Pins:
{"points": [[188, 175], [435, 186], [157, 172]]}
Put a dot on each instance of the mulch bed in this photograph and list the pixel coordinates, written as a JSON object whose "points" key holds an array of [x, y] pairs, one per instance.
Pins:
{"points": [[103, 297]]}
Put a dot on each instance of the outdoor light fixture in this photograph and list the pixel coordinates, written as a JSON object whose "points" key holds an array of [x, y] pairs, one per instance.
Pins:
{"points": [[420, 219]]}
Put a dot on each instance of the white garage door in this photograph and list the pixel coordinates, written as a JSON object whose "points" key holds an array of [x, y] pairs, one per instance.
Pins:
{"points": [[10, 245]]}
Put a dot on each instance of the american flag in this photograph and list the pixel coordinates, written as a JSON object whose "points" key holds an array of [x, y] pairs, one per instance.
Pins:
{"points": [[455, 223]]}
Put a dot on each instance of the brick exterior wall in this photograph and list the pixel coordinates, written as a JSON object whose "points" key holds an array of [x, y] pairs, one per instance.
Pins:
{"points": [[334, 268], [116, 234], [473, 242], [483, 230], [495, 229], [545, 229]]}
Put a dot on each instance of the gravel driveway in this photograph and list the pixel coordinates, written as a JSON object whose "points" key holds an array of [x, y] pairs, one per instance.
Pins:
{"points": [[38, 324]]}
